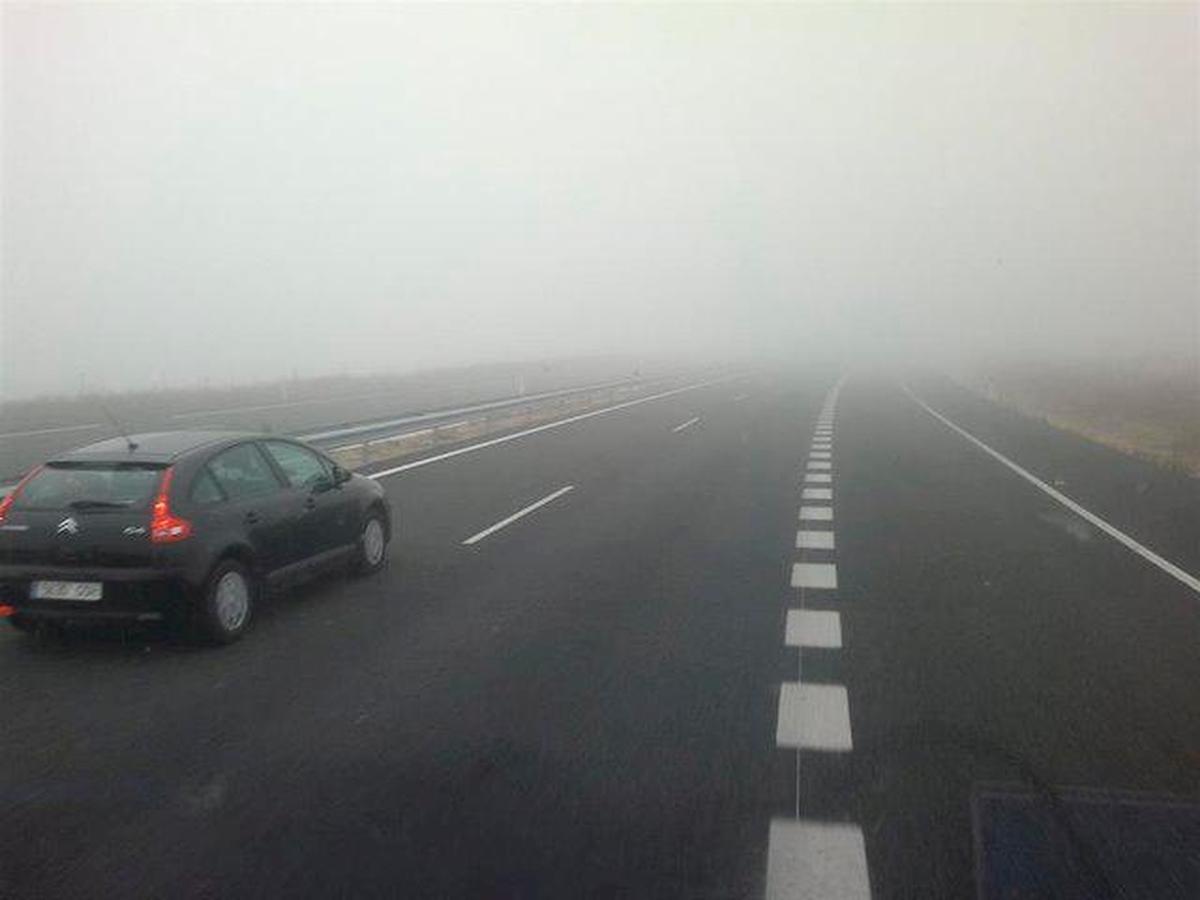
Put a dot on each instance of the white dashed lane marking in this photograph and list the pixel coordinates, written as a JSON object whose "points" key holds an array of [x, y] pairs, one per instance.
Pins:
{"points": [[814, 540], [809, 860], [519, 514], [682, 425], [814, 575], [813, 717], [813, 628]]}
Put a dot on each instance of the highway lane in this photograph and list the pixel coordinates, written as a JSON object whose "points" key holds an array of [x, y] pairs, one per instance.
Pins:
{"points": [[590, 700], [576, 704], [1001, 656]]}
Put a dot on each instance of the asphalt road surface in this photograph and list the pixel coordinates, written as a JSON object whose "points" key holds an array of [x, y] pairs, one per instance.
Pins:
{"points": [[662, 681]]}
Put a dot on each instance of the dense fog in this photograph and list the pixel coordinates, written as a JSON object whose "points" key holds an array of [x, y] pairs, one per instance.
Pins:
{"points": [[221, 193]]}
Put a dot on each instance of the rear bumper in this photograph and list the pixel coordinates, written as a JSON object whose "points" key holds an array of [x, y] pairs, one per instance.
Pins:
{"points": [[129, 594]]}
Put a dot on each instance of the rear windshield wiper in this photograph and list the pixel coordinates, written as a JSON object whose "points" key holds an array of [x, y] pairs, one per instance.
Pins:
{"points": [[100, 504]]}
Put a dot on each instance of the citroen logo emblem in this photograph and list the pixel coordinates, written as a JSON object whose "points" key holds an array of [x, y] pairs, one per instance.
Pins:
{"points": [[68, 526]]}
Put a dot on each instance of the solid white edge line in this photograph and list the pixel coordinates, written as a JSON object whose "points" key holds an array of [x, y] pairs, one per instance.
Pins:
{"points": [[503, 439], [37, 431], [521, 513], [1111, 530], [692, 421]]}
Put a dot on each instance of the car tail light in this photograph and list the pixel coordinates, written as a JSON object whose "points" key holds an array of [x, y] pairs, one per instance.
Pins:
{"points": [[6, 610], [166, 528], [7, 502]]}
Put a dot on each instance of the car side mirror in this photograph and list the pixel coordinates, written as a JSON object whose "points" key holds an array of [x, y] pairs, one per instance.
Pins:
{"points": [[341, 476]]}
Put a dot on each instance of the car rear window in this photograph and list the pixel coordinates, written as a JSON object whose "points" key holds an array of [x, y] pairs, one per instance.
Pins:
{"points": [[90, 487]]}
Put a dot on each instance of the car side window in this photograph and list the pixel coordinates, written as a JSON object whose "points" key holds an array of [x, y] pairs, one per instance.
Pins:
{"points": [[302, 467], [242, 472], [205, 489]]}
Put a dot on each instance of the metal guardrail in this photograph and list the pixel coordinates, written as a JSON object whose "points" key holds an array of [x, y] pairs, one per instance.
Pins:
{"points": [[407, 443], [495, 416], [376, 425]]}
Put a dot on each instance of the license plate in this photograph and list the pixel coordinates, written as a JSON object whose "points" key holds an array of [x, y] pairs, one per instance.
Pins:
{"points": [[67, 590]]}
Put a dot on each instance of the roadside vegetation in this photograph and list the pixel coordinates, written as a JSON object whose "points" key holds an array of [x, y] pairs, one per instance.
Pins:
{"points": [[1150, 410]]}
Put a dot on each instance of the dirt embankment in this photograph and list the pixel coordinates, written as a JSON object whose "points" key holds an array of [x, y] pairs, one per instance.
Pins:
{"points": [[1152, 412]]}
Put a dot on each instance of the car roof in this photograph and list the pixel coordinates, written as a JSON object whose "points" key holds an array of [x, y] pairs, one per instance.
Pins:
{"points": [[154, 447]]}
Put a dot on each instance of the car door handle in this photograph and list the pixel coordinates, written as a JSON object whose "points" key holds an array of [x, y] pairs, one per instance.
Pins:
{"points": [[251, 517]]}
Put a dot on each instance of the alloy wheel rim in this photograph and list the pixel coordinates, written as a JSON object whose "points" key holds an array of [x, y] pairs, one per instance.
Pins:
{"points": [[233, 601], [373, 542]]}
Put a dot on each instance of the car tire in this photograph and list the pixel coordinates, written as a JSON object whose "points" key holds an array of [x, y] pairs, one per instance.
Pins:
{"points": [[371, 553], [227, 603]]}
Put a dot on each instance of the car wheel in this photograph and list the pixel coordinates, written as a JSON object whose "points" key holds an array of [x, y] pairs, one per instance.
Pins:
{"points": [[372, 545], [228, 603]]}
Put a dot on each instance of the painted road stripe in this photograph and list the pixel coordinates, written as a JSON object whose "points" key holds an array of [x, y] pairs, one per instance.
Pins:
{"points": [[820, 464], [816, 513], [819, 454], [814, 575], [682, 425], [516, 435], [62, 430], [521, 513], [816, 494], [814, 540], [818, 477], [821, 445], [814, 628], [1111, 530], [813, 717], [808, 860]]}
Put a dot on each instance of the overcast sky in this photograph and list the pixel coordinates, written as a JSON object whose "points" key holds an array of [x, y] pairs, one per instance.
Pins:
{"points": [[236, 191]]}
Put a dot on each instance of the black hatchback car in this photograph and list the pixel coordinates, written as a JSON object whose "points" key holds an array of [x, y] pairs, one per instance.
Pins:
{"points": [[185, 527]]}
